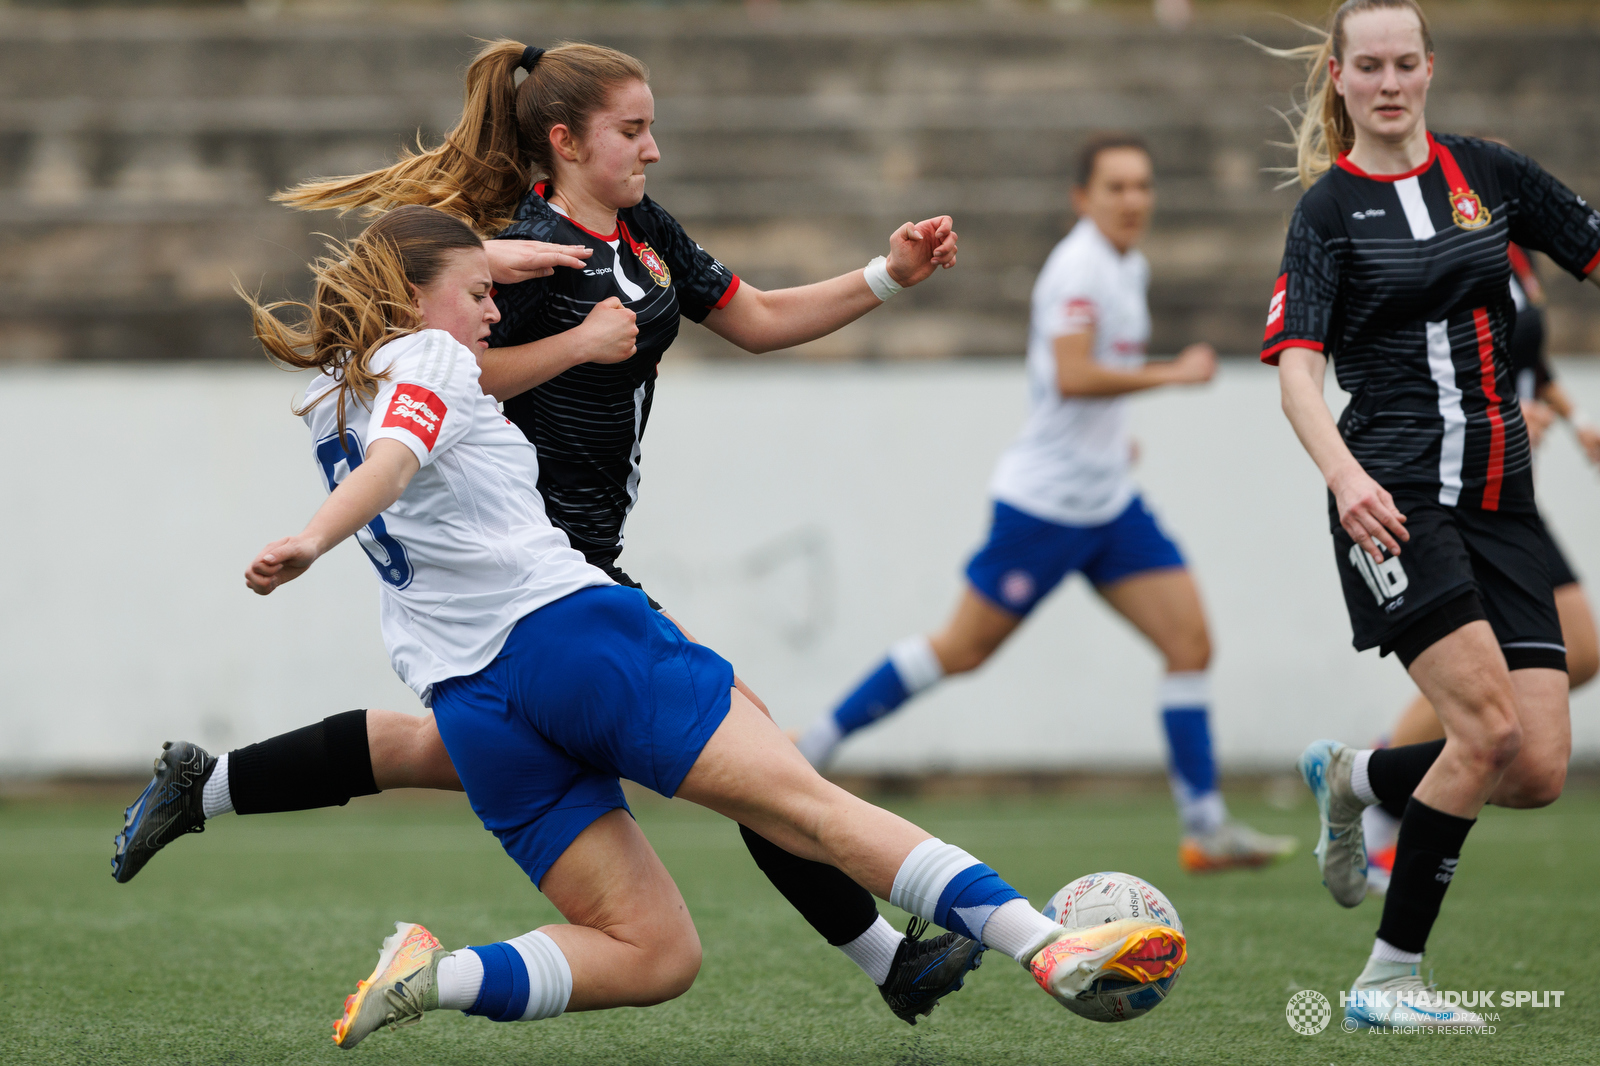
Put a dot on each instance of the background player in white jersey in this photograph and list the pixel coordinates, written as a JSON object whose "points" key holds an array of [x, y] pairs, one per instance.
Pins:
{"points": [[1064, 501], [1395, 265], [550, 682]]}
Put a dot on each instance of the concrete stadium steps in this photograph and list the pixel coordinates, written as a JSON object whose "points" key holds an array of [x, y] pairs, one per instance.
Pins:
{"points": [[137, 152]]}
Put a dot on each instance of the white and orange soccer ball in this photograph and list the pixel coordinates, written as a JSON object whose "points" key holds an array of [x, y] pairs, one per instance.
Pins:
{"points": [[1100, 898]]}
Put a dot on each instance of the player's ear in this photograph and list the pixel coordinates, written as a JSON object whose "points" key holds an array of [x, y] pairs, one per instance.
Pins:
{"points": [[565, 144]]}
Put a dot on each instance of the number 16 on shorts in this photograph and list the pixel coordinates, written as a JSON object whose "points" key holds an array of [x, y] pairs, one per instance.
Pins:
{"points": [[1387, 579]]}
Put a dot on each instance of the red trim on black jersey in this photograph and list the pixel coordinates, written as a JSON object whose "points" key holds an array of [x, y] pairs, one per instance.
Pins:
{"points": [[727, 297], [542, 189], [1595, 262], [1520, 262], [1270, 356], [1343, 163], [1497, 425]]}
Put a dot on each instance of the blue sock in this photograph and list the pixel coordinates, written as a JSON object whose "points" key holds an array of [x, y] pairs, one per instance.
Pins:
{"points": [[968, 900], [945, 885], [875, 697], [1190, 764], [910, 667], [524, 979]]}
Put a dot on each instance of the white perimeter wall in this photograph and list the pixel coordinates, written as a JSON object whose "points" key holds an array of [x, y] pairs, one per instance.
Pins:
{"points": [[797, 519]]}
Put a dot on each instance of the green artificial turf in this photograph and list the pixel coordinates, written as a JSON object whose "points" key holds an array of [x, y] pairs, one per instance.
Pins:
{"points": [[238, 946]]}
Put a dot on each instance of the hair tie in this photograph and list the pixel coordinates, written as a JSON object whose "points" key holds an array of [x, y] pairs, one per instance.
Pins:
{"points": [[530, 56]]}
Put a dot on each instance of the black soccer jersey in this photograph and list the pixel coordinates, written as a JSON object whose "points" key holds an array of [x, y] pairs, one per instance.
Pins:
{"points": [[1403, 280], [1529, 367], [588, 423]]}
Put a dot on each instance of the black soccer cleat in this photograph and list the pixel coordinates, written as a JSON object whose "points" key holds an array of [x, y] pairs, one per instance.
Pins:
{"points": [[925, 971], [169, 807]]}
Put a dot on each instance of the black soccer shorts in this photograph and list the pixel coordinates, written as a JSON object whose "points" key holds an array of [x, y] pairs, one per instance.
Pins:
{"points": [[1414, 599]]}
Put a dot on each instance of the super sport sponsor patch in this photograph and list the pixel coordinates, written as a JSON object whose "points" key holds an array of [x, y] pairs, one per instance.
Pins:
{"points": [[416, 410]]}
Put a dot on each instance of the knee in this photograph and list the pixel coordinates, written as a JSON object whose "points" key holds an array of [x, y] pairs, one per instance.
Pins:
{"points": [[1495, 745], [671, 967], [1189, 650], [959, 657], [1539, 786]]}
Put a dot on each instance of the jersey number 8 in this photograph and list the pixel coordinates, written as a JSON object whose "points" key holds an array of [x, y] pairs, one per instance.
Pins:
{"points": [[387, 554]]}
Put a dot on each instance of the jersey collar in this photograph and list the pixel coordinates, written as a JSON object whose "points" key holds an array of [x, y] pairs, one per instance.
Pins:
{"points": [[1343, 162], [542, 190]]}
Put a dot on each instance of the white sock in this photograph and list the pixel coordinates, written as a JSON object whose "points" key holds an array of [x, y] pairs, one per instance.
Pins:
{"points": [[1018, 930], [1360, 784], [922, 878], [549, 975], [1201, 815], [1383, 951], [818, 742], [874, 950], [215, 798], [459, 978], [919, 668], [1379, 829]]}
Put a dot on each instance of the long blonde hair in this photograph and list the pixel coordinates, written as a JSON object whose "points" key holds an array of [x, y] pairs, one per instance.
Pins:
{"points": [[1324, 130], [362, 300], [501, 145]]}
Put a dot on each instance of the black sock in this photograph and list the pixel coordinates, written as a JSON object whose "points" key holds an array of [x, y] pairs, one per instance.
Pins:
{"points": [[1395, 773], [836, 906], [322, 765], [1425, 859]]}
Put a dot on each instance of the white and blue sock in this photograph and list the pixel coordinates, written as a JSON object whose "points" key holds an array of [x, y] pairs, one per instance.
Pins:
{"points": [[1185, 712], [524, 979], [909, 668], [940, 883]]}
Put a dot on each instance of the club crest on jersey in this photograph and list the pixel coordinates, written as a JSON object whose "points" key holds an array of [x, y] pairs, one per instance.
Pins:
{"points": [[418, 411], [652, 262], [1468, 210]]}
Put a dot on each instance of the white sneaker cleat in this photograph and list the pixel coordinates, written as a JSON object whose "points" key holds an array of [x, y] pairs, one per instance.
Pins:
{"points": [[1234, 846], [1135, 950], [1392, 994], [1341, 852], [400, 989]]}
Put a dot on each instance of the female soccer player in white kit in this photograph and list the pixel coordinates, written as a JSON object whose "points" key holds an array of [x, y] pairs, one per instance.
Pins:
{"points": [[1065, 500], [549, 681]]}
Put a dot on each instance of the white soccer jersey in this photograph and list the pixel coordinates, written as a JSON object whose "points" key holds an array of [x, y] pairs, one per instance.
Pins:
{"points": [[466, 551], [1070, 462]]}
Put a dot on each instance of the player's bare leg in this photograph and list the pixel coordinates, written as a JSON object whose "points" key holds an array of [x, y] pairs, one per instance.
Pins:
{"points": [[749, 772], [407, 752], [1164, 605], [974, 631]]}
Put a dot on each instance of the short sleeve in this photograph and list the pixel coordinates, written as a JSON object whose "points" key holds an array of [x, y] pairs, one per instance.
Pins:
{"points": [[1551, 217], [701, 283], [428, 400], [1300, 313], [1067, 299]]}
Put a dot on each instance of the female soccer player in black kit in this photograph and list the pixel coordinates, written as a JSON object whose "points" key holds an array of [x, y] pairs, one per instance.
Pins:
{"points": [[1396, 267], [593, 277]]}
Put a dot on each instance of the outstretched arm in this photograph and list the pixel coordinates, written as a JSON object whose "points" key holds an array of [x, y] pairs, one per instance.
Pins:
{"points": [[366, 493], [1078, 374], [1366, 510], [760, 321]]}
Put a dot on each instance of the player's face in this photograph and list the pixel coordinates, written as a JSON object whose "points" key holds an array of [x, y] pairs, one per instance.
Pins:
{"points": [[1385, 73], [618, 146], [458, 300], [1120, 196]]}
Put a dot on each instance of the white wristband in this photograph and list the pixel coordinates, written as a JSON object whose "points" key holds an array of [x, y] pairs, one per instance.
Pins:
{"points": [[878, 279]]}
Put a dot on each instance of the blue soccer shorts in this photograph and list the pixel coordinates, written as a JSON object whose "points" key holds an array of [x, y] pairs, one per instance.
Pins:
{"points": [[1025, 557], [589, 689]]}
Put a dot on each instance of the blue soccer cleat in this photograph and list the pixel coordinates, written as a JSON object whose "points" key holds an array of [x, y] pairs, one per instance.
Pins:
{"points": [[1341, 851], [170, 806]]}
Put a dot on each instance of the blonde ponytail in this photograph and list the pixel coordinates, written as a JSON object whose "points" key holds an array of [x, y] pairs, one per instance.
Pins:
{"points": [[1324, 130], [362, 300], [500, 146]]}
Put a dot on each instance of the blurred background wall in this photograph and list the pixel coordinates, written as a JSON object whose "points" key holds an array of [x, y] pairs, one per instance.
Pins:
{"points": [[137, 148], [798, 517]]}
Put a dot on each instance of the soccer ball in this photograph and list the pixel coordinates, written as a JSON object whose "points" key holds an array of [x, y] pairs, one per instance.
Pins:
{"points": [[1108, 897]]}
